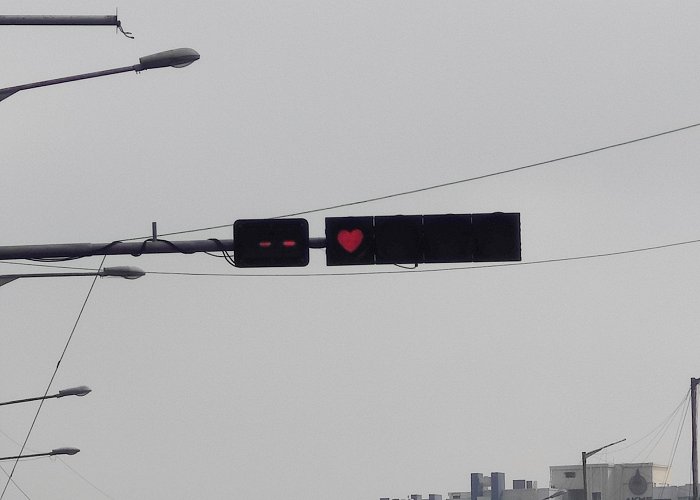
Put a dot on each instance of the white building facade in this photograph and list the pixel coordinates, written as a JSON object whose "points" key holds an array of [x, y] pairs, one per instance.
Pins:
{"points": [[627, 481]]}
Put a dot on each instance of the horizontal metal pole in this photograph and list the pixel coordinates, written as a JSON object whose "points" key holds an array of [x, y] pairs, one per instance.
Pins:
{"points": [[27, 400], [76, 250], [9, 278], [12, 277], [127, 272], [73, 250], [317, 242], [32, 455], [6, 92], [59, 20], [57, 451]]}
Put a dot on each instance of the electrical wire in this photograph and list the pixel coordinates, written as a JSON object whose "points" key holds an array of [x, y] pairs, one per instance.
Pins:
{"points": [[85, 479], [53, 376], [656, 430], [659, 431], [137, 253], [231, 261], [675, 446], [7, 473], [660, 434], [17, 442], [224, 252], [434, 270], [383, 197], [26, 447], [15, 483], [98, 251], [451, 183]]}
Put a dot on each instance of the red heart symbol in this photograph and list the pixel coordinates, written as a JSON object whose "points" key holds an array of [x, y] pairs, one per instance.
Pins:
{"points": [[350, 240]]}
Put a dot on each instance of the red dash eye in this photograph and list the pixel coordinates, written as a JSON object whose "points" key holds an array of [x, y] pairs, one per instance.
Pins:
{"points": [[289, 243], [265, 244]]}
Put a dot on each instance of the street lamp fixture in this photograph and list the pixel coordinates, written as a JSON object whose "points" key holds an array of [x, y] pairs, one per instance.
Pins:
{"points": [[176, 58], [57, 451], [127, 272], [587, 454], [81, 390]]}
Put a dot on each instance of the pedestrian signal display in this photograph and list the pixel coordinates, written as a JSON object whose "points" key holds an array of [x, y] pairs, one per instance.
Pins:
{"points": [[349, 241], [271, 242], [417, 239]]}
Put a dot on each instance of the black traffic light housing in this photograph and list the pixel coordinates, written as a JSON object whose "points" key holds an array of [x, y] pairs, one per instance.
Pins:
{"points": [[448, 238], [349, 241], [271, 242], [496, 237], [399, 239], [417, 239]]}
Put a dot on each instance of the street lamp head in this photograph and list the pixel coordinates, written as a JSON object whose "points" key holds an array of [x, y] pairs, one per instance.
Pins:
{"points": [[177, 58], [128, 272], [64, 451], [81, 390]]}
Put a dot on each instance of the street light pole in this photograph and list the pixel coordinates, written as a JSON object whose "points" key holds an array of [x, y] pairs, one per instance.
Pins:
{"points": [[694, 433], [73, 391], [56, 451], [127, 272], [176, 58], [584, 456]]}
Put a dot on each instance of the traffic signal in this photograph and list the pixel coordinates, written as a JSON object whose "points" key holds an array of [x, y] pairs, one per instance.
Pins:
{"points": [[398, 239], [349, 241], [271, 242], [448, 238], [416, 239], [496, 237]]}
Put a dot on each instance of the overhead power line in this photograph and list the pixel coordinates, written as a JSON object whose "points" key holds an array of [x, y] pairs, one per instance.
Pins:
{"points": [[435, 270], [400, 271], [48, 387], [661, 428], [450, 183], [427, 188]]}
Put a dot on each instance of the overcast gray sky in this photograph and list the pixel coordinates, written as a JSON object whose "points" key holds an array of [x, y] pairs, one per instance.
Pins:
{"points": [[350, 387]]}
